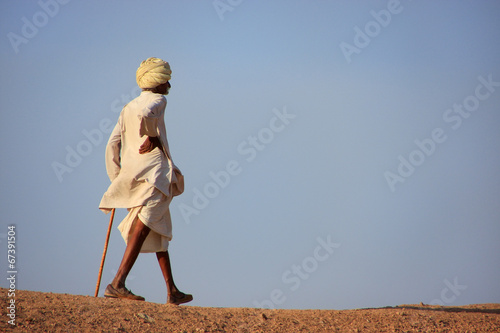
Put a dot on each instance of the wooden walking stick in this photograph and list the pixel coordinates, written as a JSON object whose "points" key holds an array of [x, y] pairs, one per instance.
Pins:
{"points": [[104, 252]]}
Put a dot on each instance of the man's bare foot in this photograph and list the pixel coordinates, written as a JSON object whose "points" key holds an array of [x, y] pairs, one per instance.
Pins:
{"points": [[179, 298]]}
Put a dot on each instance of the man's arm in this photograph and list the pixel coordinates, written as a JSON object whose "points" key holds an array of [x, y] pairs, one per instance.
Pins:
{"points": [[149, 144], [149, 125], [113, 148]]}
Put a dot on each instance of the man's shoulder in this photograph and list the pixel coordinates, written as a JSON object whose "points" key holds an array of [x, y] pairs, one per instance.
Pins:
{"points": [[150, 97], [147, 101]]}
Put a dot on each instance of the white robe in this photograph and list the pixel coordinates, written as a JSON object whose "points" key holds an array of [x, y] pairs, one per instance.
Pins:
{"points": [[137, 179]]}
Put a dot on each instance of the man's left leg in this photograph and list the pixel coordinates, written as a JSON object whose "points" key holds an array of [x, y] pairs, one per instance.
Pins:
{"points": [[117, 287]]}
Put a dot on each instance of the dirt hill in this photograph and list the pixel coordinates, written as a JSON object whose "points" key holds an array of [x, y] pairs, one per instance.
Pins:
{"points": [[49, 312]]}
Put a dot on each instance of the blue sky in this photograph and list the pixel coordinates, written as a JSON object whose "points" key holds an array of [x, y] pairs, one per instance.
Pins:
{"points": [[315, 177]]}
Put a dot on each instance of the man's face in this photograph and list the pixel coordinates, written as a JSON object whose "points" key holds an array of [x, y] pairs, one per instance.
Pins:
{"points": [[164, 88]]}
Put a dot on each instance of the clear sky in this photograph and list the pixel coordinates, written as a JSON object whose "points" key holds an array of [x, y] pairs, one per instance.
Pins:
{"points": [[337, 154]]}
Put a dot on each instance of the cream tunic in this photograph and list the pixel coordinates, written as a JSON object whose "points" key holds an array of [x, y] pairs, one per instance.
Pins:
{"points": [[141, 180]]}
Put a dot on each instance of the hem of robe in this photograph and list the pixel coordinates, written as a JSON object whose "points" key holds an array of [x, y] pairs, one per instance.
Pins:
{"points": [[150, 192]]}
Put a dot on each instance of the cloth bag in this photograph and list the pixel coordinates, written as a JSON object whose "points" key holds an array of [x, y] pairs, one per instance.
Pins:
{"points": [[177, 185]]}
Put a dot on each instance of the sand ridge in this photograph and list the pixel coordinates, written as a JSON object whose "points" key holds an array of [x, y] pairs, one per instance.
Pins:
{"points": [[51, 312]]}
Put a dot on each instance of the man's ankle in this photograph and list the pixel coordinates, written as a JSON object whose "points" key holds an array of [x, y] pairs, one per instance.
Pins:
{"points": [[118, 284]]}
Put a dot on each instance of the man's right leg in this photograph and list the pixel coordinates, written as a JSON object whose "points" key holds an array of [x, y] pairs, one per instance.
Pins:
{"points": [[175, 296], [139, 233]]}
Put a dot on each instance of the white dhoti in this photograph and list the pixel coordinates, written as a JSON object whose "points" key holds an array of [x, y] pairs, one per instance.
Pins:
{"points": [[155, 214]]}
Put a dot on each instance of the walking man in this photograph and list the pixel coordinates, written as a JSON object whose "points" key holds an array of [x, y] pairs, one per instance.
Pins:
{"points": [[144, 179]]}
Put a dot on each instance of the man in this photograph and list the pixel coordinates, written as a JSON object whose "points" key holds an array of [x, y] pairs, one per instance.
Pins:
{"points": [[143, 179]]}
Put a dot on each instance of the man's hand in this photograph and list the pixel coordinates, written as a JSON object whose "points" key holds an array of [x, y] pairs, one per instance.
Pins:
{"points": [[149, 144]]}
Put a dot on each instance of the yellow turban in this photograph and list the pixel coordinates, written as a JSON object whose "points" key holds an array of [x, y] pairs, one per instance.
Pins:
{"points": [[152, 72]]}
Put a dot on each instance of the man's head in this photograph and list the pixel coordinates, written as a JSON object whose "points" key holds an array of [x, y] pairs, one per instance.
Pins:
{"points": [[153, 74]]}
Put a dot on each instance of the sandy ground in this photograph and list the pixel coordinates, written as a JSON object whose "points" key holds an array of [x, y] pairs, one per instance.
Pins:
{"points": [[49, 312]]}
